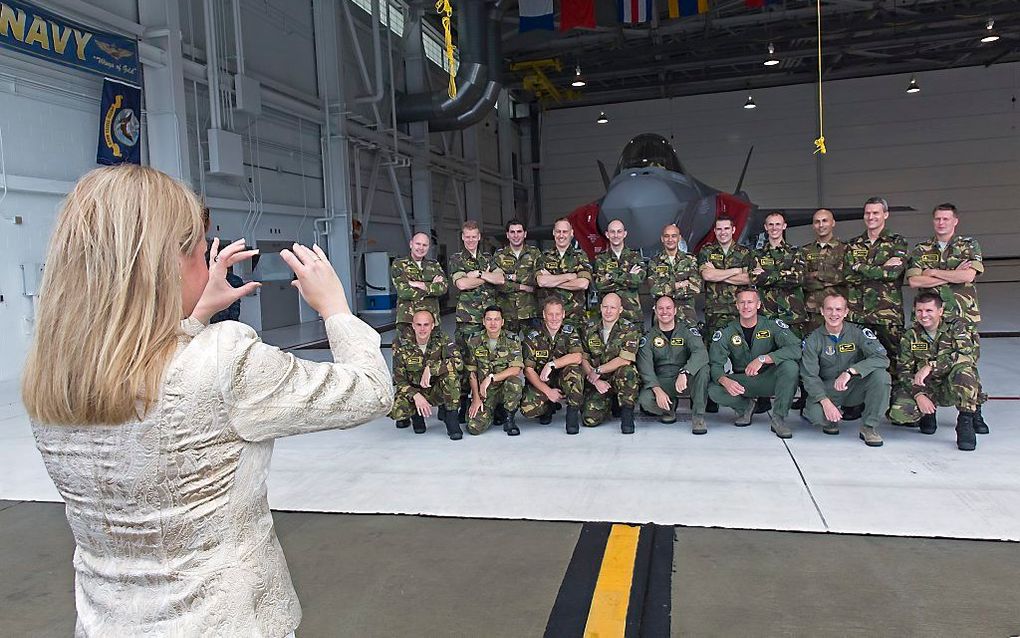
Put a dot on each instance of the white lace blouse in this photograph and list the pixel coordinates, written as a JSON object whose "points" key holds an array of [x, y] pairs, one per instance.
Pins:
{"points": [[170, 518]]}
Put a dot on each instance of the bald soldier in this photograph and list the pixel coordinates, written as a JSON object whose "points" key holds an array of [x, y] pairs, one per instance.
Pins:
{"points": [[844, 365], [673, 362], [823, 263], [419, 282], [621, 270], [610, 348], [675, 273], [778, 272], [565, 272]]}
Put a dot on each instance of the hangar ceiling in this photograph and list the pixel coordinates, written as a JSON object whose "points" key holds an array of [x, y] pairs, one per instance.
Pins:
{"points": [[724, 49]]}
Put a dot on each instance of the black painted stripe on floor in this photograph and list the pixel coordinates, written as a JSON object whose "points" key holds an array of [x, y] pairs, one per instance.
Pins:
{"points": [[570, 612], [658, 604], [639, 583]]}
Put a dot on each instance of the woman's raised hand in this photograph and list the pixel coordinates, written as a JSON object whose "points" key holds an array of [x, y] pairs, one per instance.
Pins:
{"points": [[218, 293], [316, 280]]}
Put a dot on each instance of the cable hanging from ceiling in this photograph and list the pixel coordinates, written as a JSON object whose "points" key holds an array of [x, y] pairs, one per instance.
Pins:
{"points": [[820, 141], [444, 9]]}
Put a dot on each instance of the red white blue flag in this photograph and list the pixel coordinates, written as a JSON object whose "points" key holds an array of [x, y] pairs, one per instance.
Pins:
{"points": [[634, 11], [535, 15]]}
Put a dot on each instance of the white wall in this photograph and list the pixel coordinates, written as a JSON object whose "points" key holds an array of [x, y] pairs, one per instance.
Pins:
{"points": [[955, 141]]}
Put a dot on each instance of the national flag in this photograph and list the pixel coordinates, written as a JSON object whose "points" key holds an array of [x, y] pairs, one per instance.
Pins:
{"points": [[634, 11], [577, 14], [685, 8], [535, 15], [759, 4]]}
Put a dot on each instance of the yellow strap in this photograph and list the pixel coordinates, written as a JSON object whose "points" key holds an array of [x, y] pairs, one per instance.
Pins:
{"points": [[444, 9], [820, 142]]}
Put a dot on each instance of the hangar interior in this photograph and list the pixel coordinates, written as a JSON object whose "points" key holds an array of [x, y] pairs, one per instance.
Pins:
{"points": [[289, 117]]}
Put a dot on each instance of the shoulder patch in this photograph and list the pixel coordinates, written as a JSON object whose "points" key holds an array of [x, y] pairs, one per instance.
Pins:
{"points": [[782, 324], [717, 336], [644, 340], [567, 328], [532, 334], [695, 332], [868, 334]]}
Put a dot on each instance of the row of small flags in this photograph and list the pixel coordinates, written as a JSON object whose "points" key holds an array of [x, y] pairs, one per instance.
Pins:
{"points": [[537, 15]]}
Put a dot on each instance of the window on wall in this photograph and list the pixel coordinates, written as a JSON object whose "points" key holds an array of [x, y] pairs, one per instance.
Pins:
{"points": [[433, 40]]}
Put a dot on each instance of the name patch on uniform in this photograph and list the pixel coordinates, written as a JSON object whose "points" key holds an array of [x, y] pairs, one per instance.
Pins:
{"points": [[541, 354], [594, 342], [766, 261], [715, 257], [762, 334], [676, 341], [848, 347], [929, 257], [414, 361], [736, 340], [918, 346], [662, 270], [860, 253], [658, 342], [481, 352]]}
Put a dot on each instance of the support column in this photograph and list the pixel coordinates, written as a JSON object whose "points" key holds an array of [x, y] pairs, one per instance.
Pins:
{"points": [[417, 82], [472, 187], [504, 137]]}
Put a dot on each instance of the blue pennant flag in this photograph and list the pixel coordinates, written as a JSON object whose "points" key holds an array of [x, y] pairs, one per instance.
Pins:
{"points": [[120, 125]]}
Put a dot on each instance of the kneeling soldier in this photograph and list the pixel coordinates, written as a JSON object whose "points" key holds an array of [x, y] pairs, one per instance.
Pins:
{"points": [[552, 368], [673, 362], [843, 364], [610, 347], [938, 366], [765, 357], [494, 362], [426, 372]]}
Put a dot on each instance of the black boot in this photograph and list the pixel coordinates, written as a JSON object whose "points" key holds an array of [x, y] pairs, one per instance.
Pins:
{"points": [[980, 427], [928, 423], [403, 423], [762, 405], [418, 423], [499, 415], [853, 412], [462, 412], [573, 418], [798, 403], [711, 406], [452, 426], [966, 440], [546, 417], [627, 419], [510, 427]]}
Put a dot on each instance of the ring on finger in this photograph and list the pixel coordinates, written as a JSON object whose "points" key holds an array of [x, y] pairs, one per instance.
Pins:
{"points": [[216, 258]]}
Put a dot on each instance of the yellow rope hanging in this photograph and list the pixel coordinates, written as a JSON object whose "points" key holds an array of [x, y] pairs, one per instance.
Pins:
{"points": [[444, 9], [820, 142]]}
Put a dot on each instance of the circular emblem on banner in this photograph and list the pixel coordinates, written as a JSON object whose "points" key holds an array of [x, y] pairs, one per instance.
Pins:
{"points": [[126, 127]]}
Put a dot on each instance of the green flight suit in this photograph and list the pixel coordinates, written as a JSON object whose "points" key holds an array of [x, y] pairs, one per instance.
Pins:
{"points": [[665, 274], [574, 301], [720, 297], [624, 381], [485, 359], [540, 348], [613, 274], [825, 357], [823, 276], [519, 307], [779, 379], [660, 360], [779, 284], [445, 364]]}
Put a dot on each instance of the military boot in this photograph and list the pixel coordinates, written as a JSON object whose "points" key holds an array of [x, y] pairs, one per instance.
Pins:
{"points": [[782, 430], [462, 412], [966, 440], [928, 423], [980, 427], [510, 427], [627, 419], [573, 419], [870, 436], [744, 418], [499, 415], [547, 416], [418, 423], [403, 423], [698, 425], [452, 426], [669, 416], [762, 405], [853, 412], [711, 406]]}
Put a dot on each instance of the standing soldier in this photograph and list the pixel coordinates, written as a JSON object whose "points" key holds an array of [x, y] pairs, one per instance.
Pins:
{"points": [[873, 265], [476, 277], [610, 347], [823, 262], [938, 366], [518, 261], [621, 270], [565, 271], [673, 362], [778, 274], [552, 368], [419, 283], [947, 266], [765, 356], [675, 273], [494, 363], [844, 365], [426, 372]]}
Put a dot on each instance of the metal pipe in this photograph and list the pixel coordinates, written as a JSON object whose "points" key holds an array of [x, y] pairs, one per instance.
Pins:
{"points": [[238, 37], [380, 89], [212, 67]]}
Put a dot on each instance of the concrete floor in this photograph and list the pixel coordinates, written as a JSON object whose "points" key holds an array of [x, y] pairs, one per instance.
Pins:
{"points": [[362, 575]]}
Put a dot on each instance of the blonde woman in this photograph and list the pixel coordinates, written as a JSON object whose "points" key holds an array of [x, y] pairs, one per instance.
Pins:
{"points": [[157, 429]]}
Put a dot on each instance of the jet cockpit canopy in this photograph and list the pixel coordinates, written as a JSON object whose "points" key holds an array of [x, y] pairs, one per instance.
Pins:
{"points": [[649, 149]]}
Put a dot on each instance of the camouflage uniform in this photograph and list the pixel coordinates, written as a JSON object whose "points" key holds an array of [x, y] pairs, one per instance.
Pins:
{"points": [[612, 274], [624, 381], [779, 284], [779, 379], [443, 360], [483, 361], [953, 380], [471, 304], [660, 360], [875, 296], [574, 261], [823, 276], [519, 307], [826, 357], [721, 298], [541, 348], [664, 274], [411, 300]]}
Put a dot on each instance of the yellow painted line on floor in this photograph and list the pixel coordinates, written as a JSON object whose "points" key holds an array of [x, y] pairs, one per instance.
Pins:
{"points": [[607, 616]]}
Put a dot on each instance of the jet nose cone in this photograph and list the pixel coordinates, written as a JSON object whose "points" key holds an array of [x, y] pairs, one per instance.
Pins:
{"points": [[645, 201]]}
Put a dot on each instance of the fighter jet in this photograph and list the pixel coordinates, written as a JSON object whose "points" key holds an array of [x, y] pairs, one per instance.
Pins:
{"points": [[650, 189]]}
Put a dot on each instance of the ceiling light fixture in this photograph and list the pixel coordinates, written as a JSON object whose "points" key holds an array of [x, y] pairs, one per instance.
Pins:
{"points": [[990, 34], [913, 87], [578, 80], [749, 104], [771, 60], [602, 118]]}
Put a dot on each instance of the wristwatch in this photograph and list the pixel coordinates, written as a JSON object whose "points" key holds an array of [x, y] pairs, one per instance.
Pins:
{"points": [[552, 364], [492, 378], [851, 372], [761, 358], [598, 370], [682, 371]]}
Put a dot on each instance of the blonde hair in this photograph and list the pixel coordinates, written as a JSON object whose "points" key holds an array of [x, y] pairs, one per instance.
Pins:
{"points": [[110, 301]]}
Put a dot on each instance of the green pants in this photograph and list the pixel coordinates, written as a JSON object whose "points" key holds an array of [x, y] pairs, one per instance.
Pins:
{"points": [[506, 393], [779, 381], [959, 388], [461, 335], [872, 390], [569, 380], [444, 391], [697, 389], [623, 383]]}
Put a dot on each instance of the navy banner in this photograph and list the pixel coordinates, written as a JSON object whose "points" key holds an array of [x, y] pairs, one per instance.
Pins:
{"points": [[120, 127], [29, 29]]}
